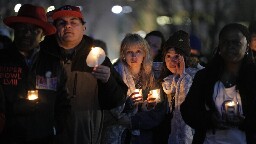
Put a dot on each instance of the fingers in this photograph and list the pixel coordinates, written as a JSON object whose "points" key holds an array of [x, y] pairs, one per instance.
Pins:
{"points": [[101, 72], [101, 69], [136, 97]]}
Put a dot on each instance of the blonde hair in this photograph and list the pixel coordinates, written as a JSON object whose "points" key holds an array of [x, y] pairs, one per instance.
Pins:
{"points": [[146, 73]]}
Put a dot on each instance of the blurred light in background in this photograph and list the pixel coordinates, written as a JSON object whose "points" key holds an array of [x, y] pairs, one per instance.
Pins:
{"points": [[80, 7], [117, 9], [141, 33], [164, 20], [178, 20], [17, 7], [127, 9], [50, 8]]}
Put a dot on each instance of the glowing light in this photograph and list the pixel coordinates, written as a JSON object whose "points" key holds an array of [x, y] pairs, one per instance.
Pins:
{"points": [[139, 92], [127, 9], [155, 94], [32, 94], [232, 103], [95, 57], [163, 20], [117, 9], [17, 7], [141, 33], [50, 8]]}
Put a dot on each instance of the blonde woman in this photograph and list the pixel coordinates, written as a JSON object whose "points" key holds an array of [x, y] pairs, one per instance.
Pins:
{"points": [[138, 115]]}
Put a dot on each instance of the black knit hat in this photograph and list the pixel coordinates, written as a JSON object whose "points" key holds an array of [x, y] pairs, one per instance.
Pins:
{"points": [[180, 42]]}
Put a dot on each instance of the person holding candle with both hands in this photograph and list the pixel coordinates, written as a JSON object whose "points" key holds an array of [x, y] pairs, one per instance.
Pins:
{"points": [[134, 121], [91, 88], [221, 102]]}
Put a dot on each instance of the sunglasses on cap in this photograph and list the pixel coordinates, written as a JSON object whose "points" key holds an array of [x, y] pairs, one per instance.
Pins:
{"points": [[69, 7]]}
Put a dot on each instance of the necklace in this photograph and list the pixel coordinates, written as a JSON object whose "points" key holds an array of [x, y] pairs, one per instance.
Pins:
{"points": [[137, 80]]}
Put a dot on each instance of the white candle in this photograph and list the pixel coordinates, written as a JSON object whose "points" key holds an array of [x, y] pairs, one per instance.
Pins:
{"points": [[231, 107], [231, 103], [95, 54], [155, 94], [139, 91], [95, 57], [32, 94]]}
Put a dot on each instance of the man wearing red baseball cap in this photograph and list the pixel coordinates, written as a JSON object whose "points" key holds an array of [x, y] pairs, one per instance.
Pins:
{"points": [[34, 97], [92, 89]]}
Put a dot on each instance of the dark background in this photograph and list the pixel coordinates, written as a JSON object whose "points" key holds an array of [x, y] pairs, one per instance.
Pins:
{"points": [[203, 18]]}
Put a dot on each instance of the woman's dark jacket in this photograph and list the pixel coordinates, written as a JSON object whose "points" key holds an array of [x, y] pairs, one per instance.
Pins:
{"points": [[200, 96]]}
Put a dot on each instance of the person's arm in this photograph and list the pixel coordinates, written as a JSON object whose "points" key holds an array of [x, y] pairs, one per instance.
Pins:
{"points": [[113, 92], [193, 108], [185, 84]]}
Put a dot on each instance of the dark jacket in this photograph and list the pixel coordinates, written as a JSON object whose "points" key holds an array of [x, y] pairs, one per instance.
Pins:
{"points": [[2, 109], [153, 125], [31, 120], [89, 96], [120, 122], [194, 111]]}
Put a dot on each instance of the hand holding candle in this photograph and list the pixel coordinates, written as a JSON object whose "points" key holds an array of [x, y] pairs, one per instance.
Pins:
{"points": [[138, 91], [136, 96]]}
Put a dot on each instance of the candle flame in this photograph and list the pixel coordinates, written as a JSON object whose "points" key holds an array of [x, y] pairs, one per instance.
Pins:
{"points": [[96, 50], [95, 57], [32, 94], [231, 103], [155, 93], [139, 92]]}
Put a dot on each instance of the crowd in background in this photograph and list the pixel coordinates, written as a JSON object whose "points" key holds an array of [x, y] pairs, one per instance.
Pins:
{"points": [[55, 89]]}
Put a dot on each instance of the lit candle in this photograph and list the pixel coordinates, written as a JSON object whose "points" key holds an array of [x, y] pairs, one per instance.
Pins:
{"points": [[231, 108], [139, 91], [32, 94], [95, 54], [155, 94], [95, 57]]}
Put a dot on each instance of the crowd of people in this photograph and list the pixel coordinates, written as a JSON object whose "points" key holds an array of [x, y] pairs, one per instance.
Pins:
{"points": [[54, 90]]}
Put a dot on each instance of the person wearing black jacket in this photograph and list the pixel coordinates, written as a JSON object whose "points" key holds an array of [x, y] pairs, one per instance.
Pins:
{"points": [[221, 102], [24, 68], [91, 89]]}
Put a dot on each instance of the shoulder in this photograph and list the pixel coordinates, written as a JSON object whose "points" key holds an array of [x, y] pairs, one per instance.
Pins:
{"points": [[192, 71], [49, 45], [7, 53], [88, 40]]}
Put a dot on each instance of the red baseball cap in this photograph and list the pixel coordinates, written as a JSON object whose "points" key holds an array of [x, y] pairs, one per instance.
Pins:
{"points": [[67, 10]]}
